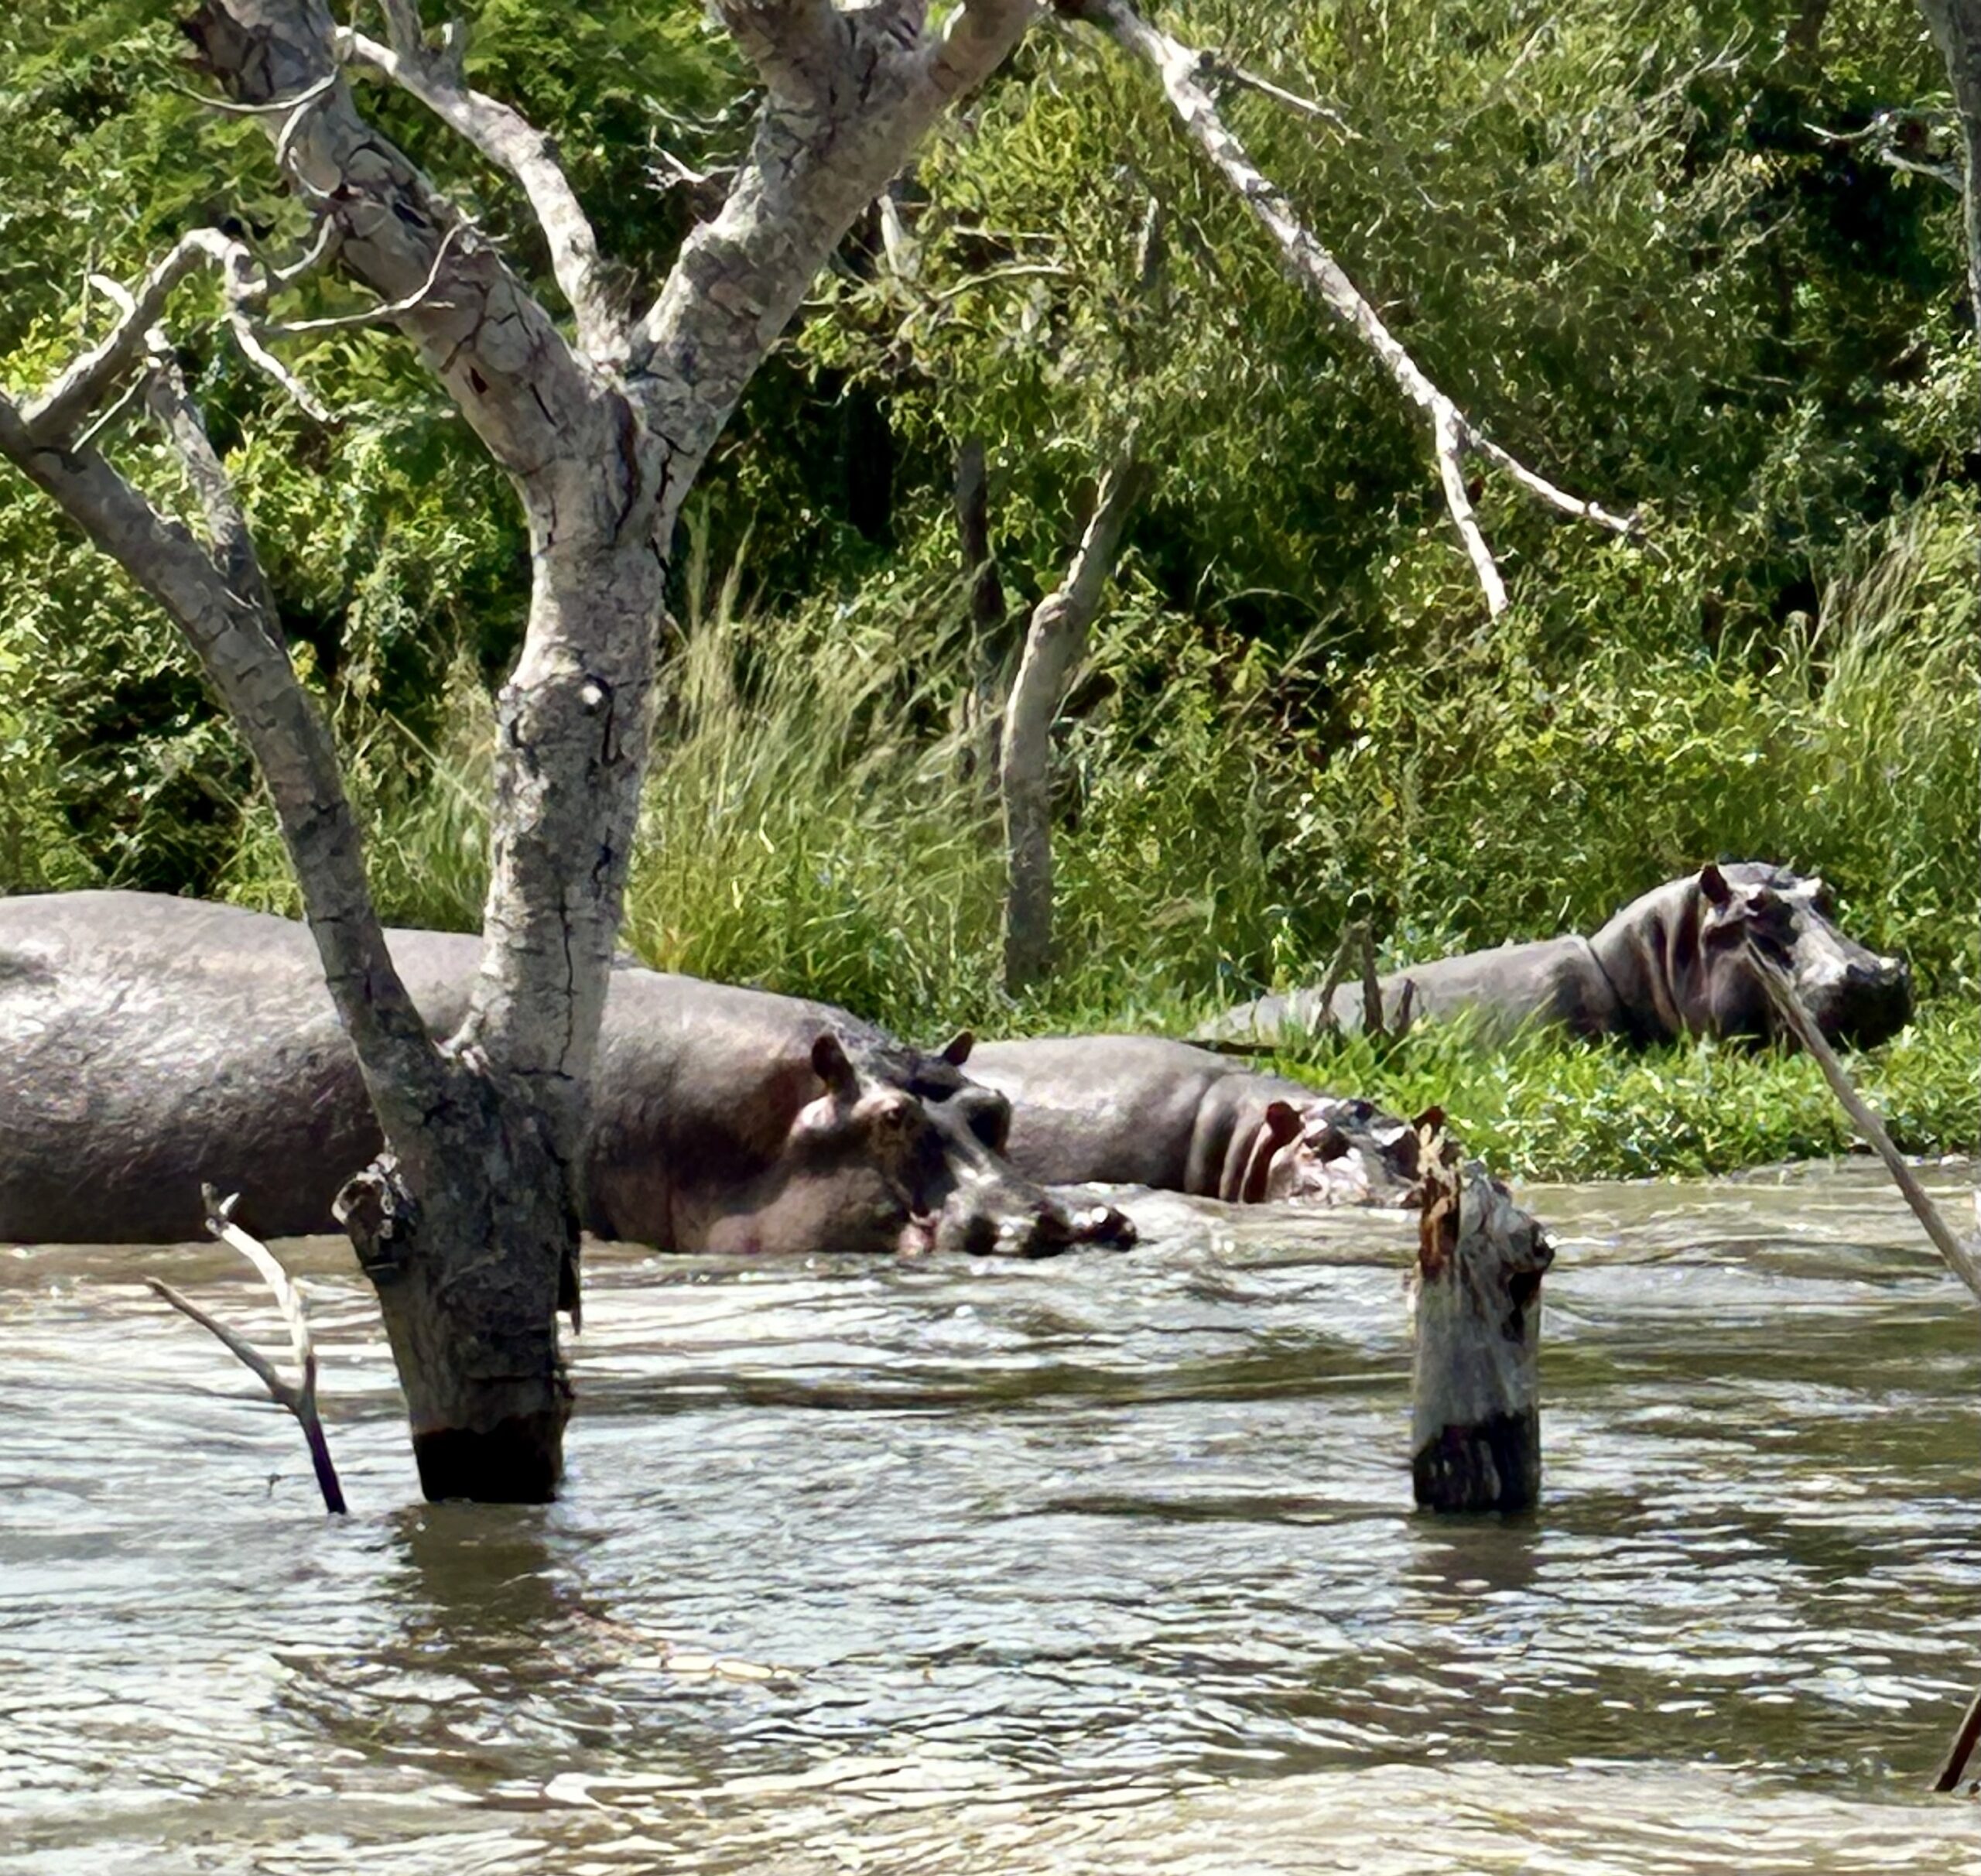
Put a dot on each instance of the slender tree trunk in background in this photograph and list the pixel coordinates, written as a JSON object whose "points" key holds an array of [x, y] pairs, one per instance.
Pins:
{"points": [[1956, 24], [1053, 645], [468, 1224]]}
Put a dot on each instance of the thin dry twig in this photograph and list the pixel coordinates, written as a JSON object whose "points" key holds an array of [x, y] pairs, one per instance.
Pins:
{"points": [[300, 1400], [373, 316], [1960, 1257], [1230, 73], [1181, 71]]}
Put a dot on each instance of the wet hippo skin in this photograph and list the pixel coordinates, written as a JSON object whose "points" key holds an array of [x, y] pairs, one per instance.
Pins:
{"points": [[149, 1044], [1144, 1111]]}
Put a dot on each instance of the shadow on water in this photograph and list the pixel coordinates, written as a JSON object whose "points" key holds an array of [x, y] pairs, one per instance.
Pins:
{"points": [[969, 1568]]}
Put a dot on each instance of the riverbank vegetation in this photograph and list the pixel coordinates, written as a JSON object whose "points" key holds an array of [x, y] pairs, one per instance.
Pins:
{"points": [[1693, 261]]}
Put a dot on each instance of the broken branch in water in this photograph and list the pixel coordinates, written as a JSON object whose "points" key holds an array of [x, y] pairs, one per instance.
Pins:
{"points": [[299, 1400], [1962, 1257], [1475, 1317]]}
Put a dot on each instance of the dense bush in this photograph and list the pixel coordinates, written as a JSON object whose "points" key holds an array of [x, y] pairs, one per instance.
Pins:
{"points": [[1647, 248]]}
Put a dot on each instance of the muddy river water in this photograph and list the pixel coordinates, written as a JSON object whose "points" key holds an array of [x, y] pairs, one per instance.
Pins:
{"points": [[1106, 1565]]}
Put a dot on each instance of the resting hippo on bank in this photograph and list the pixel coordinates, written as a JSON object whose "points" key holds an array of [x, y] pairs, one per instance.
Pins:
{"points": [[1674, 963], [1142, 1111], [147, 1044]]}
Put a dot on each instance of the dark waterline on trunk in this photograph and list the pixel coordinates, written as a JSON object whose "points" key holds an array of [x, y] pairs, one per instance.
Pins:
{"points": [[970, 1567]]}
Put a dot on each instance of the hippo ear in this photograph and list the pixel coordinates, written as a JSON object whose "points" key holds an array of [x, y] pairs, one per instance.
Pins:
{"points": [[828, 1060], [956, 1051], [1280, 1124], [1713, 883]]}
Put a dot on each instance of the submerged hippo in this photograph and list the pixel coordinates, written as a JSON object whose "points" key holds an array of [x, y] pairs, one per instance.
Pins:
{"points": [[149, 1044], [1674, 963], [1143, 1111]]}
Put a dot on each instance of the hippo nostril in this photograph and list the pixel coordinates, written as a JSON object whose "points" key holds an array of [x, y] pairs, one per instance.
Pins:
{"points": [[1102, 1224]]}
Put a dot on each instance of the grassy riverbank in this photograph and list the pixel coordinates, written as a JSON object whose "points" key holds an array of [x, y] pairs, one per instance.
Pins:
{"points": [[815, 823], [1547, 1107]]}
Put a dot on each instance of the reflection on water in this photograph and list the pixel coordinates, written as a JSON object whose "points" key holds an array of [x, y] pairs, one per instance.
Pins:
{"points": [[963, 1568]]}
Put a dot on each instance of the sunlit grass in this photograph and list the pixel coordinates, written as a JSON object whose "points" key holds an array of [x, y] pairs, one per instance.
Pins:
{"points": [[818, 820]]}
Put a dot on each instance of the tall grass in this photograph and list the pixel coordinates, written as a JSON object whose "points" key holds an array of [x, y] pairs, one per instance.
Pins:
{"points": [[816, 822]]}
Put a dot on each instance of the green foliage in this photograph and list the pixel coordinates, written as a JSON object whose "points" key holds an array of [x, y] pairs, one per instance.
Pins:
{"points": [[1548, 1108], [1643, 246]]}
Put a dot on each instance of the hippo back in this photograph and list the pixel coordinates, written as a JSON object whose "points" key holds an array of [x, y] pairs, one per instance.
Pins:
{"points": [[1554, 980], [149, 1044], [137, 1056]]}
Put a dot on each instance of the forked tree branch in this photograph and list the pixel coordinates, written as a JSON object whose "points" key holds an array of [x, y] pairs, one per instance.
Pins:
{"points": [[491, 345], [54, 414], [1181, 70], [298, 1397], [509, 141], [852, 90]]}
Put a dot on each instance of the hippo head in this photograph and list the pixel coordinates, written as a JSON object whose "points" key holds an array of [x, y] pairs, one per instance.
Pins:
{"points": [[939, 1077], [868, 1166], [1853, 994], [1332, 1151]]}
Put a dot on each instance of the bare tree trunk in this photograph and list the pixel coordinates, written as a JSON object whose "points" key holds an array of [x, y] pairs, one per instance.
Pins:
{"points": [[1956, 24], [468, 1225], [1053, 644]]}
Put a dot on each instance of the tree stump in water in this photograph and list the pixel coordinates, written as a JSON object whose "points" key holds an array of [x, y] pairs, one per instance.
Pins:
{"points": [[1476, 1314]]}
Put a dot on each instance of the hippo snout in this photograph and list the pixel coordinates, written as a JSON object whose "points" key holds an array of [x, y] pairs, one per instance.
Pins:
{"points": [[1043, 1227], [1871, 1001], [1057, 1226]]}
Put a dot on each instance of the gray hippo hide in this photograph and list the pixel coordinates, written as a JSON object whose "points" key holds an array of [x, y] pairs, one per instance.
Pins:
{"points": [[147, 1044], [1674, 963], [1139, 1109]]}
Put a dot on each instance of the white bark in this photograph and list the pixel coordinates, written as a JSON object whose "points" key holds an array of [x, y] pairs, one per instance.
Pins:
{"points": [[1054, 642], [1181, 70], [468, 1225], [1956, 25]]}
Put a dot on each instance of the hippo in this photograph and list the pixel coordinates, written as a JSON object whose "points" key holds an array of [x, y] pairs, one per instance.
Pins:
{"points": [[149, 1044], [1144, 1111], [1674, 963]]}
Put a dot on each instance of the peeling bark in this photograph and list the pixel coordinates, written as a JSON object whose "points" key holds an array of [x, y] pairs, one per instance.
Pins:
{"points": [[467, 1225]]}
